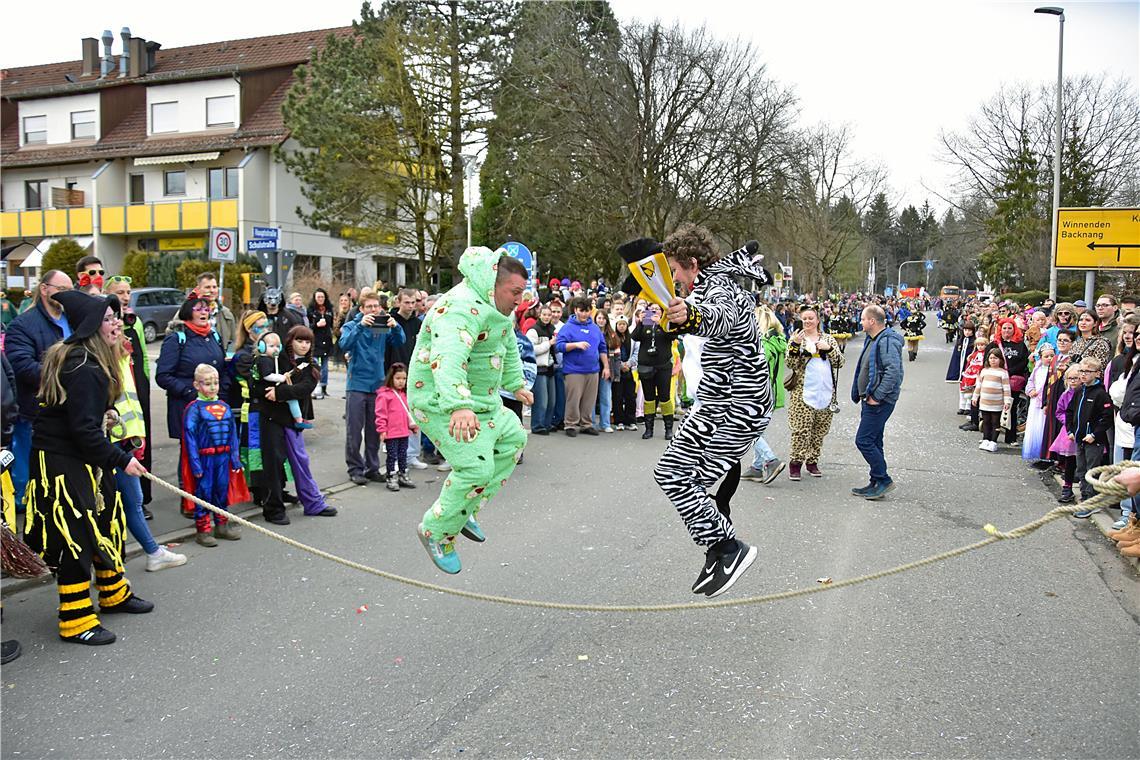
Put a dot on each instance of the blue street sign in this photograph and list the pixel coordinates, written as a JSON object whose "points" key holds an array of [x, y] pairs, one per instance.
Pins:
{"points": [[267, 233], [929, 265], [903, 286], [519, 251], [258, 244]]}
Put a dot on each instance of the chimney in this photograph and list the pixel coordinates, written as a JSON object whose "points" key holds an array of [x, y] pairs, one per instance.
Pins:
{"points": [[107, 65], [151, 48], [125, 56], [90, 55], [137, 58]]}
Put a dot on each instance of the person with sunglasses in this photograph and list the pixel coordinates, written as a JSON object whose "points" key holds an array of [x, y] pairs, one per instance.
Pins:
{"points": [[28, 338], [189, 341], [89, 273]]}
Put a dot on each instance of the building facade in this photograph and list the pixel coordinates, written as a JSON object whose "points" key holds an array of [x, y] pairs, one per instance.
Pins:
{"points": [[150, 148]]}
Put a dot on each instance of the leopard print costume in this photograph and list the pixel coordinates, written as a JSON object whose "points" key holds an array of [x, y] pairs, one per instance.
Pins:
{"points": [[810, 426]]}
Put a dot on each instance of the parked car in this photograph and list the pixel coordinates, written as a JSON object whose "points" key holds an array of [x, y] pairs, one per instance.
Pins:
{"points": [[156, 307]]}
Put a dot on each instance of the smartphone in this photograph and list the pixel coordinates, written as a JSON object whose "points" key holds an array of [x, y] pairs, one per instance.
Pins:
{"points": [[798, 324]]}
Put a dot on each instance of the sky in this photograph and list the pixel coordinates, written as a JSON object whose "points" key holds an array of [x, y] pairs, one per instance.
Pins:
{"points": [[896, 72]]}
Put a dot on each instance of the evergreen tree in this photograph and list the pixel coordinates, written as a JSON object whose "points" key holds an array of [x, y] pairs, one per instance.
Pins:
{"points": [[1016, 225]]}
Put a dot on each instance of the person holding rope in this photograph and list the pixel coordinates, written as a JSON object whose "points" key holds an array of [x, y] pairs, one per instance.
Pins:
{"points": [[466, 352], [75, 517], [734, 398]]}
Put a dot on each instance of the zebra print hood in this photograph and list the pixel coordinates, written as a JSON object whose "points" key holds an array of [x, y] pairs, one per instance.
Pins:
{"points": [[743, 262]]}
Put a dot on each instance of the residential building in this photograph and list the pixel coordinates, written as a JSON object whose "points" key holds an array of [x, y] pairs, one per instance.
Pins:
{"points": [[150, 148]]}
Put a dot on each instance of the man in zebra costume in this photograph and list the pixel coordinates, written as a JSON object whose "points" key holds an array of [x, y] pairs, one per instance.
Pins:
{"points": [[735, 398]]}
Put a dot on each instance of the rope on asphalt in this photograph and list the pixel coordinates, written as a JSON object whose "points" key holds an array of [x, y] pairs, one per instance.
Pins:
{"points": [[1100, 478]]}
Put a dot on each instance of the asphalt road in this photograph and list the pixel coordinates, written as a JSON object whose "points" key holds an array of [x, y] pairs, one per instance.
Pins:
{"points": [[1025, 649]]}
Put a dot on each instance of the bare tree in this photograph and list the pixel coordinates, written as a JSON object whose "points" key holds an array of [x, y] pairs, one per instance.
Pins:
{"points": [[633, 132], [819, 220]]}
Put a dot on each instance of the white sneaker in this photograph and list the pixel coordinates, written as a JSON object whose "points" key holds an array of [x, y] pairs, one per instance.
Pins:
{"points": [[163, 559], [416, 464], [984, 445], [608, 430], [443, 466], [992, 447]]}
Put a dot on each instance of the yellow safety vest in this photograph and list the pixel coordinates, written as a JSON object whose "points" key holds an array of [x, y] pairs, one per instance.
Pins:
{"points": [[130, 423]]}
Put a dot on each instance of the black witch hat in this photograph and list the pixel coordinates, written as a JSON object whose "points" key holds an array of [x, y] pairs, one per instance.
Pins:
{"points": [[85, 312]]}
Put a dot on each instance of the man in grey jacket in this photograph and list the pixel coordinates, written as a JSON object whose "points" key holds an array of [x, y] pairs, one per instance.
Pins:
{"points": [[877, 382]]}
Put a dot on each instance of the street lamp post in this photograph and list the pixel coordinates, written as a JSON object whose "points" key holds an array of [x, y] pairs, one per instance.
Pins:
{"points": [[1060, 14]]}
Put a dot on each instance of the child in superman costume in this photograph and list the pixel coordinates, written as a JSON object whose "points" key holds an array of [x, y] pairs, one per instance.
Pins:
{"points": [[211, 459], [465, 351]]}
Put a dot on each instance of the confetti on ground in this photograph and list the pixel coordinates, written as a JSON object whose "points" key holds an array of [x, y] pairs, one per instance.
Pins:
{"points": [[823, 580], [362, 608], [583, 657]]}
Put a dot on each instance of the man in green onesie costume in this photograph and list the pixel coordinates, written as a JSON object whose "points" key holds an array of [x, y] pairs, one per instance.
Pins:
{"points": [[465, 351]]}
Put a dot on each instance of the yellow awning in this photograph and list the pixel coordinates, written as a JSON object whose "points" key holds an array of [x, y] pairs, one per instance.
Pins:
{"points": [[180, 158]]}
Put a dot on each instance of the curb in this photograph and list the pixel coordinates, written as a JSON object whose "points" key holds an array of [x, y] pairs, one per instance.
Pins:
{"points": [[14, 586], [1103, 522]]}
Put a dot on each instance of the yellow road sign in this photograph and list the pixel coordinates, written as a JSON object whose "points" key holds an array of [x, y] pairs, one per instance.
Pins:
{"points": [[1098, 238]]}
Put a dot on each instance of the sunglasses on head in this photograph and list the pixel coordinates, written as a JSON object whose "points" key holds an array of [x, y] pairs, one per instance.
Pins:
{"points": [[119, 278]]}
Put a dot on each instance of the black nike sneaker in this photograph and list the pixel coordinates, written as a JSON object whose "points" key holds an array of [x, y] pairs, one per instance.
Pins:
{"points": [[720, 570]]}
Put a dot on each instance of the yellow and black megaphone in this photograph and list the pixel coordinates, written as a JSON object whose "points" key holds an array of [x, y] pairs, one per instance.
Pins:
{"points": [[649, 274]]}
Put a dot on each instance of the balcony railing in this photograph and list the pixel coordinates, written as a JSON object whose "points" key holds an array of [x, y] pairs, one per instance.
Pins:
{"points": [[121, 219], [46, 222], [167, 216]]}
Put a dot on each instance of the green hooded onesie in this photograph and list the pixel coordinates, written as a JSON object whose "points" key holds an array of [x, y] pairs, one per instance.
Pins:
{"points": [[465, 352]]}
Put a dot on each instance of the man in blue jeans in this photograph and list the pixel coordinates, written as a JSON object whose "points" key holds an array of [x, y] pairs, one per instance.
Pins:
{"points": [[877, 382]]}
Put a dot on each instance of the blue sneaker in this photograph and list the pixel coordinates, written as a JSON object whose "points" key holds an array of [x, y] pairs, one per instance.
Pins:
{"points": [[879, 491], [442, 553], [1084, 514], [864, 490], [472, 531]]}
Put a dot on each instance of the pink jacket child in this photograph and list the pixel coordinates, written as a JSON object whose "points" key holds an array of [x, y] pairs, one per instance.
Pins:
{"points": [[394, 426], [1061, 444], [392, 413]]}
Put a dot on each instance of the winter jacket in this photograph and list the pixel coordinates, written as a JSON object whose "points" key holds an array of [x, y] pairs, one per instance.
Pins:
{"points": [[283, 321], [1090, 412], [367, 349], [226, 326], [1130, 409], [584, 361], [181, 353], [655, 346], [974, 364], [403, 353], [75, 428], [392, 413], [544, 352], [27, 340], [885, 369], [322, 336], [775, 351], [529, 365], [466, 349], [8, 408], [1016, 356]]}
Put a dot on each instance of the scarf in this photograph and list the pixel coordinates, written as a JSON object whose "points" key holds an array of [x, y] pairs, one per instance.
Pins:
{"points": [[197, 329]]}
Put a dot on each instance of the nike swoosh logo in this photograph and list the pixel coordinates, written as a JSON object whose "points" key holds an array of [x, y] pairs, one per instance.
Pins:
{"points": [[709, 569], [728, 570]]}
